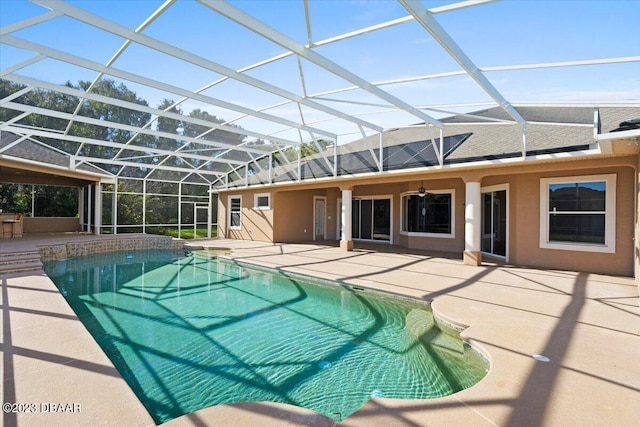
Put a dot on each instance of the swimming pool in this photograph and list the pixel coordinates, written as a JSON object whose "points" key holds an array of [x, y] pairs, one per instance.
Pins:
{"points": [[187, 331]]}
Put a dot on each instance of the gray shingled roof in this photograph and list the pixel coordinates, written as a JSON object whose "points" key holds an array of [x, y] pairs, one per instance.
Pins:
{"points": [[498, 139], [30, 150], [550, 130]]}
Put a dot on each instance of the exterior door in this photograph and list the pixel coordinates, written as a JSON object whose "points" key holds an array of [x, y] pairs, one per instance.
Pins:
{"points": [[319, 215], [495, 222], [371, 219]]}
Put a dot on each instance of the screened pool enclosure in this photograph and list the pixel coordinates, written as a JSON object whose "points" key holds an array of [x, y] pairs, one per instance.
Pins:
{"points": [[151, 108]]}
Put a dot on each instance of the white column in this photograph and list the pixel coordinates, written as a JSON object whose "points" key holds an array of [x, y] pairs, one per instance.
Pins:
{"points": [[81, 207], [210, 209], [346, 241], [144, 205], [98, 205], [472, 224], [114, 206], [90, 219]]}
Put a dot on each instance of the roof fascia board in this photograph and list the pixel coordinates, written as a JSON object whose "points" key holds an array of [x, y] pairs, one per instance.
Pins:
{"points": [[624, 134], [50, 166], [275, 36], [150, 42]]}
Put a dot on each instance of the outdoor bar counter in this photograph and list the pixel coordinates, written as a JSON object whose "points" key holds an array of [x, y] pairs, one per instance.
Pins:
{"points": [[11, 224]]}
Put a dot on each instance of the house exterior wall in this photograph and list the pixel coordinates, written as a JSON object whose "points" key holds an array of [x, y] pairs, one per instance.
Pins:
{"points": [[524, 224], [257, 224], [294, 216], [291, 217]]}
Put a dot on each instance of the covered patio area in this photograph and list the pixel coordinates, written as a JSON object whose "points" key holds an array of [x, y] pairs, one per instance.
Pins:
{"points": [[586, 324]]}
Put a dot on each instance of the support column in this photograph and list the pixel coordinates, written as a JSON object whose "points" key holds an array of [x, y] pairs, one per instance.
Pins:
{"points": [[81, 207], [346, 240], [98, 208], [472, 224]]}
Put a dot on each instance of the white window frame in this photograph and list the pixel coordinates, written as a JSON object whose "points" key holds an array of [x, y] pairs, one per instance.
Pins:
{"points": [[255, 201], [230, 227], [451, 235], [609, 245]]}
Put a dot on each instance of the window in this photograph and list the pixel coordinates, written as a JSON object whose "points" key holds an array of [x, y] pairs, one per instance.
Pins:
{"points": [[235, 212], [578, 213], [262, 201], [428, 215]]}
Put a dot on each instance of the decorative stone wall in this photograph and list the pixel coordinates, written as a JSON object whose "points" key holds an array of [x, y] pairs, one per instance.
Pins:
{"points": [[105, 244]]}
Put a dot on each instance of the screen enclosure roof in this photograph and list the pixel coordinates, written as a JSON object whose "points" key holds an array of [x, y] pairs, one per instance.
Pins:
{"points": [[192, 91]]}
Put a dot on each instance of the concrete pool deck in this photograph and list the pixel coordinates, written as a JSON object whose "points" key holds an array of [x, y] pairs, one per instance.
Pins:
{"points": [[587, 325]]}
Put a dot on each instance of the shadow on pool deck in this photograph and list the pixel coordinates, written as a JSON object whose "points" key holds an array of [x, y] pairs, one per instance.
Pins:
{"points": [[588, 325]]}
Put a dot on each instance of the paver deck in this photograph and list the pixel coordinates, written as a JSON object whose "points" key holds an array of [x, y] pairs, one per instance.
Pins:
{"points": [[588, 326]]}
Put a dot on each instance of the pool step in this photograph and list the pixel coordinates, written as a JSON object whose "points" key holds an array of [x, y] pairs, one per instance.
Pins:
{"points": [[14, 262]]}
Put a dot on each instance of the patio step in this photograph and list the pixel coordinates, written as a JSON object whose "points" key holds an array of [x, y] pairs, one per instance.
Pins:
{"points": [[13, 262]]}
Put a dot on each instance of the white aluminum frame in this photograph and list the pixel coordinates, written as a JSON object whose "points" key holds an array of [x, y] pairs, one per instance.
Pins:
{"points": [[220, 163]]}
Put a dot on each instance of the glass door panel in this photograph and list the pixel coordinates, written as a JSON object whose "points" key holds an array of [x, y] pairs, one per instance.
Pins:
{"points": [[355, 219], [487, 224], [366, 219], [382, 219], [500, 223], [319, 216], [371, 219], [494, 223]]}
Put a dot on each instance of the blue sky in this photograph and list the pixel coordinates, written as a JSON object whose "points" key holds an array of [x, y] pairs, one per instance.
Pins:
{"points": [[496, 34]]}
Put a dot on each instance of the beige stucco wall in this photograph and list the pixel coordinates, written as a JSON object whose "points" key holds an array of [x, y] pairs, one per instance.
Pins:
{"points": [[257, 224], [524, 224], [294, 218], [291, 217]]}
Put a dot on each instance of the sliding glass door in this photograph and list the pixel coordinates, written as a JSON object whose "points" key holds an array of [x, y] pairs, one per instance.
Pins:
{"points": [[371, 219]]}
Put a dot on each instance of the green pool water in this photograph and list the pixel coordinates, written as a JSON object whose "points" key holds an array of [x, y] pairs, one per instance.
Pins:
{"points": [[187, 331]]}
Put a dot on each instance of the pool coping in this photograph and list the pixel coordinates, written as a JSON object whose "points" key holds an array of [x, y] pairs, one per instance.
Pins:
{"points": [[513, 313], [518, 389]]}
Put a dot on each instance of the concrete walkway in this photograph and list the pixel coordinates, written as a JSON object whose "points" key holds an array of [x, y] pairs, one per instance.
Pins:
{"points": [[587, 325]]}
